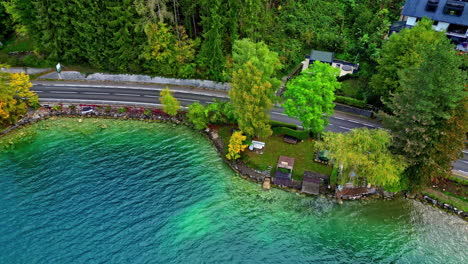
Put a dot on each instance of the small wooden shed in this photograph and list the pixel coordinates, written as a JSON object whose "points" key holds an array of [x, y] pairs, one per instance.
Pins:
{"points": [[313, 181]]}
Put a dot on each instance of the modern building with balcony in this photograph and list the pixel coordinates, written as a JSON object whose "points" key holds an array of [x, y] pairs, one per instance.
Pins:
{"points": [[450, 16]]}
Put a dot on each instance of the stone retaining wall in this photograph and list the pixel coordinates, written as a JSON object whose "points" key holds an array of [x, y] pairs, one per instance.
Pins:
{"points": [[74, 75], [447, 207]]}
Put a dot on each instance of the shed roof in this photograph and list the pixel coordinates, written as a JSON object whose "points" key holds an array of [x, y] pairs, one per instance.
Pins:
{"points": [[314, 177], [310, 187], [323, 56], [285, 162], [417, 8]]}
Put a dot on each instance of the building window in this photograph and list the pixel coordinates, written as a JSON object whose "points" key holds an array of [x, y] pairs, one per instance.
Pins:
{"points": [[454, 8]]}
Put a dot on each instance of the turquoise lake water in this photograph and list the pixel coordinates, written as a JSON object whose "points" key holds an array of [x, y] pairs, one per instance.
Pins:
{"points": [[110, 191]]}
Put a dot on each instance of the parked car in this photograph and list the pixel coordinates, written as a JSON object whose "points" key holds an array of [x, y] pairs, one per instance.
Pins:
{"points": [[87, 110]]}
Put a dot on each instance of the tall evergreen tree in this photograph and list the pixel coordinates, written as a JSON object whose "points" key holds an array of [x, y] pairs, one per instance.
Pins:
{"points": [[420, 113], [211, 58]]}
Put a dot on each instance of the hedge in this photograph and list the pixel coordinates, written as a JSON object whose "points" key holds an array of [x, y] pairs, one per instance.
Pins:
{"points": [[282, 124], [351, 101], [299, 134]]}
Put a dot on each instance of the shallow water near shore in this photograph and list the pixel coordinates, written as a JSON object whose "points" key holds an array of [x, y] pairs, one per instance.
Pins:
{"points": [[114, 191]]}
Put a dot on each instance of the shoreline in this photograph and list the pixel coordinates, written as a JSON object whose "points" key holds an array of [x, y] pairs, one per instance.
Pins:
{"points": [[238, 167]]}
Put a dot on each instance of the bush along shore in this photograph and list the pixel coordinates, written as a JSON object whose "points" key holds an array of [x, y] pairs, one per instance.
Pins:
{"points": [[158, 115]]}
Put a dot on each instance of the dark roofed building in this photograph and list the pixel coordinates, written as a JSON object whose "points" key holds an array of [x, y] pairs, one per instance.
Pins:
{"points": [[282, 178], [445, 11], [450, 16], [322, 56], [313, 181]]}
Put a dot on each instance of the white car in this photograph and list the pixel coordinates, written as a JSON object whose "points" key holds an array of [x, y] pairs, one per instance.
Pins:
{"points": [[87, 110]]}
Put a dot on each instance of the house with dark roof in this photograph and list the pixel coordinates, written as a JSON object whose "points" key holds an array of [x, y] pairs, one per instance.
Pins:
{"points": [[329, 57], [450, 16]]}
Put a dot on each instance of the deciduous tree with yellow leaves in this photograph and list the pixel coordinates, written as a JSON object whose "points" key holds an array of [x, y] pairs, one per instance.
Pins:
{"points": [[15, 97], [236, 145]]}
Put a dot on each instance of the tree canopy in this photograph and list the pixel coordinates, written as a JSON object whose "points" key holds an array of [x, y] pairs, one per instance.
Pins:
{"points": [[251, 98], [422, 111], [366, 153], [310, 96], [402, 51], [170, 104]]}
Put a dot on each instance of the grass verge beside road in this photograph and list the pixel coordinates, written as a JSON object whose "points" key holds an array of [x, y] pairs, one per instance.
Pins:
{"points": [[448, 199]]}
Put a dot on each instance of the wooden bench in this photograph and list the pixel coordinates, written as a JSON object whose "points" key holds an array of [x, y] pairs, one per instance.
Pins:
{"points": [[290, 139]]}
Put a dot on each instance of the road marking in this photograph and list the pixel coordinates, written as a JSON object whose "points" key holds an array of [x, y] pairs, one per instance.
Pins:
{"points": [[347, 128], [463, 161], [150, 96], [127, 94], [278, 113], [94, 93], [190, 100], [354, 121], [138, 88], [464, 151], [59, 92], [461, 175]]}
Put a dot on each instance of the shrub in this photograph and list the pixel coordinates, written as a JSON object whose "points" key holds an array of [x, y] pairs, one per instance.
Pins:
{"points": [[72, 107], [147, 112], [57, 107], [299, 134], [122, 110], [351, 102], [108, 109], [282, 124]]}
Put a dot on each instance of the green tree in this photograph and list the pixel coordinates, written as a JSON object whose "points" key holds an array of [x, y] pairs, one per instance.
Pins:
{"points": [[260, 56], [402, 51], [211, 58], [420, 113], [196, 114], [251, 98], [310, 96], [6, 23], [450, 145], [170, 104], [366, 153]]}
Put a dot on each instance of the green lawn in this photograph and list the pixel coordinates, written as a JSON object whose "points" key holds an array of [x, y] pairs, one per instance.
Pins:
{"points": [[448, 199], [303, 152]]}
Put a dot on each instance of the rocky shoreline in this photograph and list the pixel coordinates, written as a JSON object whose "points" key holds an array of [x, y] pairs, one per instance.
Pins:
{"points": [[156, 115]]}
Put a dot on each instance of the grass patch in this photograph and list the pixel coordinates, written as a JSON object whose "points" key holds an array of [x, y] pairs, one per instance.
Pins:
{"points": [[458, 180], [303, 152], [448, 199], [224, 133]]}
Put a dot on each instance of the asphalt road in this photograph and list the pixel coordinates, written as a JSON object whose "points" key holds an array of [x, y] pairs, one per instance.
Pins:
{"points": [[149, 95]]}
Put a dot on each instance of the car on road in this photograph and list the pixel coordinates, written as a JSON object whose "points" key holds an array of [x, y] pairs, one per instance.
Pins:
{"points": [[87, 110]]}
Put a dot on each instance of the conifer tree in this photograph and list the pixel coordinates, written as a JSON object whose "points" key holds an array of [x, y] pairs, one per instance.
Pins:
{"points": [[420, 114]]}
